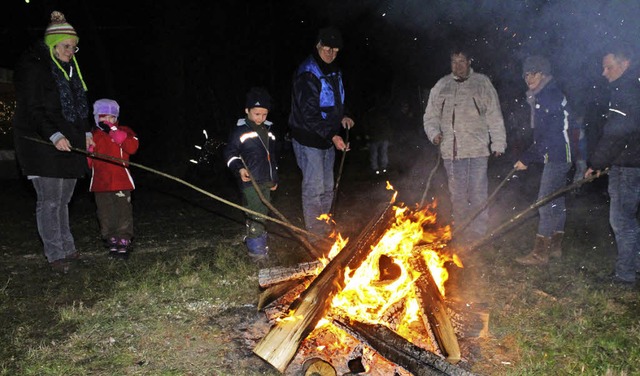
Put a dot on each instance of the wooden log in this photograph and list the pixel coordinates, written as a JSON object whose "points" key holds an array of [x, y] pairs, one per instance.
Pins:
{"points": [[318, 367], [469, 320], [278, 308], [273, 293], [272, 276], [398, 350], [434, 311], [280, 345]]}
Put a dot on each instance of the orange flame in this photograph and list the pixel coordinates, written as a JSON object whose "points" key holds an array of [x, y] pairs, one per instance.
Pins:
{"points": [[373, 289]]}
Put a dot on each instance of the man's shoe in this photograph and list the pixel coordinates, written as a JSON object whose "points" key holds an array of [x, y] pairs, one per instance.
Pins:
{"points": [[614, 280], [60, 266]]}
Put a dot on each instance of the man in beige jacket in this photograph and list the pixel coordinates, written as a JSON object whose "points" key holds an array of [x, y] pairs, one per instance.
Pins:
{"points": [[463, 117]]}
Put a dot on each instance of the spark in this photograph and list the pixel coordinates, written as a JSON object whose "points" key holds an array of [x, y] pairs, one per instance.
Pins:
{"points": [[197, 147], [205, 133], [193, 161]]}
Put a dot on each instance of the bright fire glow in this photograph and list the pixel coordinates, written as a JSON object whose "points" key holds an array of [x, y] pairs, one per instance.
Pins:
{"points": [[369, 293]]}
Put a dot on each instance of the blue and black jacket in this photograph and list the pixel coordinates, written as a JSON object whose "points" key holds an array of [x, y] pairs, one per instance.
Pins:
{"points": [[317, 103], [550, 128]]}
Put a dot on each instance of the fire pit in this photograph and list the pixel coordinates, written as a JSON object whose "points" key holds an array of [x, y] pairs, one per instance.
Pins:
{"points": [[375, 304]]}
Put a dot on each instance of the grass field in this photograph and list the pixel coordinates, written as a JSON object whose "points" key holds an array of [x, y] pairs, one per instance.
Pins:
{"points": [[184, 303]]}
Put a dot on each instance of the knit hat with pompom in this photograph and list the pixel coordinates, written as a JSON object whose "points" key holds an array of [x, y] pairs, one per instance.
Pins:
{"points": [[58, 30]]}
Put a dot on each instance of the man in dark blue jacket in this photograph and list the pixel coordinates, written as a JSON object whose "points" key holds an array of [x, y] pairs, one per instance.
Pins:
{"points": [[619, 150], [317, 116]]}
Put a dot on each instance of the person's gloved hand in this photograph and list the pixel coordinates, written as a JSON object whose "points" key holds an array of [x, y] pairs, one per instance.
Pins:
{"points": [[118, 136]]}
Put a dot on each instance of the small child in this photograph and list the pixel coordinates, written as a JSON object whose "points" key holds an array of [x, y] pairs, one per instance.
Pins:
{"points": [[252, 142], [111, 181]]}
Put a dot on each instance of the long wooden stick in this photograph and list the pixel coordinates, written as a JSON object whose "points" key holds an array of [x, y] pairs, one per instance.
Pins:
{"points": [[314, 253], [335, 188], [206, 193], [458, 229], [531, 207], [433, 171]]}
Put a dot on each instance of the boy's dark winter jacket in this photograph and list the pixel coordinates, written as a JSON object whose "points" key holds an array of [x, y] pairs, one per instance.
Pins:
{"points": [[260, 158]]}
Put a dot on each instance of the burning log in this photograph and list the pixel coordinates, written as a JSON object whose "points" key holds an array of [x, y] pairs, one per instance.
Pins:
{"points": [[393, 347], [435, 310], [280, 345], [273, 276]]}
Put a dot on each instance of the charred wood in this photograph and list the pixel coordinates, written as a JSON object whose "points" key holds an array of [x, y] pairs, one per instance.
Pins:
{"points": [[282, 292], [470, 320], [278, 308], [398, 350]]}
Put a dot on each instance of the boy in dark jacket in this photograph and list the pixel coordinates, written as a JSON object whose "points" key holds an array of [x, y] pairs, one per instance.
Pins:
{"points": [[250, 154], [111, 181]]}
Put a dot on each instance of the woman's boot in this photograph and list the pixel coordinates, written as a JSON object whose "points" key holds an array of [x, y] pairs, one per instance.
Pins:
{"points": [[540, 253], [556, 244]]}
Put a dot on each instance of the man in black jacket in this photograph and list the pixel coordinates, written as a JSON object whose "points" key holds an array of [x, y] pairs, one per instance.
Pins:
{"points": [[619, 150], [317, 115]]}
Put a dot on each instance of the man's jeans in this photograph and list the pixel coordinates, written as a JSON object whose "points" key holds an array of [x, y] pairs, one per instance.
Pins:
{"points": [[468, 181], [625, 198], [379, 155], [52, 216], [317, 185], [553, 214]]}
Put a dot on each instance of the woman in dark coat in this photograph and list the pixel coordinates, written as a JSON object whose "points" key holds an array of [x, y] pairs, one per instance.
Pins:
{"points": [[52, 106]]}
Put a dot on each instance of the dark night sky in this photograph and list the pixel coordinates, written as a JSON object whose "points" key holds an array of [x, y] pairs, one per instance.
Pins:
{"points": [[180, 67]]}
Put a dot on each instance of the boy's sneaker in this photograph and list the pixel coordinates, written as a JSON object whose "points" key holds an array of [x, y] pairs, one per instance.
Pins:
{"points": [[123, 246]]}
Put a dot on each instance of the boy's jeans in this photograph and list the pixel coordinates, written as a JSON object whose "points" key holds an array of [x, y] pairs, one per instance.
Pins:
{"points": [[467, 179], [52, 216], [625, 198], [554, 214], [317, 185], [256, 225]]}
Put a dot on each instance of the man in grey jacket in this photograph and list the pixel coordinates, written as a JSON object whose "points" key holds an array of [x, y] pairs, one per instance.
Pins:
{"points": [[463, 116]]}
